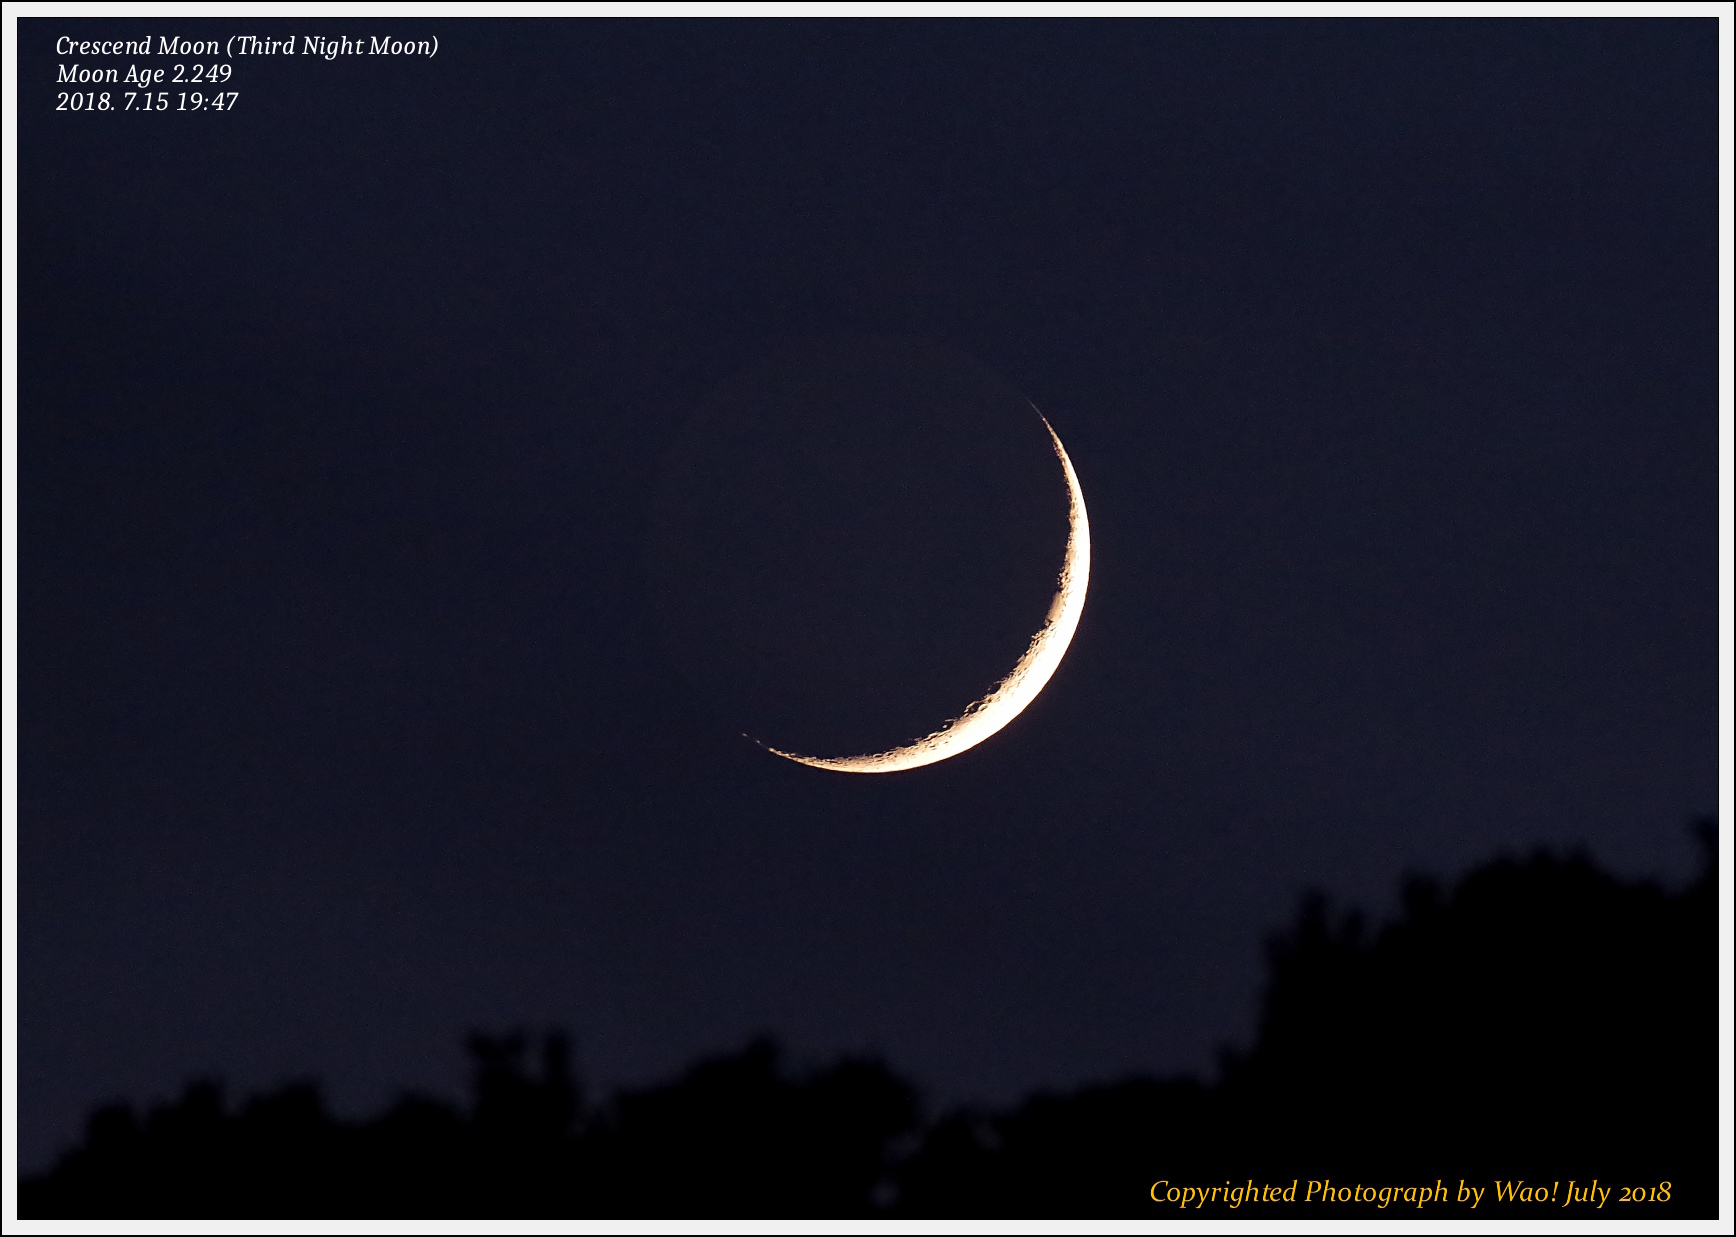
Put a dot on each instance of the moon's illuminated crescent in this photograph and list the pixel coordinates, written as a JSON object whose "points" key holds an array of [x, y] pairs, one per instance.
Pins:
{"points": [[1014, 693]]}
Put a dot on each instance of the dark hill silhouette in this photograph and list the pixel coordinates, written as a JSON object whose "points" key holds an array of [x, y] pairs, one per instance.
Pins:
{"points": [[1543, 1023]]}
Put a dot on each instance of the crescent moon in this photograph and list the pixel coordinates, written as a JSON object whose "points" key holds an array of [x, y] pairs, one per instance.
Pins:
{"points": [[1013, 694]]}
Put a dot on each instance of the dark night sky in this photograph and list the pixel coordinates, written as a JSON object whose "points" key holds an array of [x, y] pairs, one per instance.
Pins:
{"points": [[1385, 352]]}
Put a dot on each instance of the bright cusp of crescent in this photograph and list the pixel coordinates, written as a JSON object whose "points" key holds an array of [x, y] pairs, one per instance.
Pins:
{"points": [[1015, 692]]}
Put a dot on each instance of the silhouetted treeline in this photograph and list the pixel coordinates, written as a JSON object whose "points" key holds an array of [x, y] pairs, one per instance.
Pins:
{"points": [[1542, 1024]]}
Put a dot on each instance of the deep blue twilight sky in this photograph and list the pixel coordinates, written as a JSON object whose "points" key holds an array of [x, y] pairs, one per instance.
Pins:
{"points": [[1385, 352]]}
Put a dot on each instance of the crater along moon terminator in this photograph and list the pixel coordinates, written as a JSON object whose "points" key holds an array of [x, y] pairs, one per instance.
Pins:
{"points": [[1012, 695]]}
